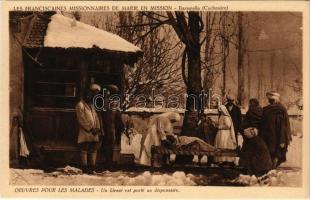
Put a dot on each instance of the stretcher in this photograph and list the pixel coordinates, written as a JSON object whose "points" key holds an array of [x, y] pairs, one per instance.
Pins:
{"points": [[190, 150]]}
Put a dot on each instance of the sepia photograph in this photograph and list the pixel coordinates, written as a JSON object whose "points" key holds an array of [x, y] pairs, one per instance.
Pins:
{"points": [[155, 98]]}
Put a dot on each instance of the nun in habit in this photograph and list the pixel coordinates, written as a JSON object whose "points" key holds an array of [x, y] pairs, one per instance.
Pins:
{"points": [[159, 128], [225, 137]]}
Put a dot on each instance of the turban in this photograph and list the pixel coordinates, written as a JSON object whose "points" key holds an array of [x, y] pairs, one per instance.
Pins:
{"points": [[112, 88], [95, 87], [273, 95]]}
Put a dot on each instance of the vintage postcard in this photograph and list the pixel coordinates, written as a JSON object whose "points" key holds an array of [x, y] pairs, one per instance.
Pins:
{"points": [[138, 99]]}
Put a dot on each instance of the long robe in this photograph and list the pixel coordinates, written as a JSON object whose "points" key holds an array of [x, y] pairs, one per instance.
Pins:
{"points": [[225, 137], [254, 153], [275, 130], [159, 127]]}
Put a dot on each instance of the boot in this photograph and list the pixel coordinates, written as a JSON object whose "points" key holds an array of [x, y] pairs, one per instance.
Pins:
{"points": [[84, 169]]}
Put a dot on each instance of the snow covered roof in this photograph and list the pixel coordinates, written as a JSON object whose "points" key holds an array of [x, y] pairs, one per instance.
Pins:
{"points": [[59, 31], [66, 32]]}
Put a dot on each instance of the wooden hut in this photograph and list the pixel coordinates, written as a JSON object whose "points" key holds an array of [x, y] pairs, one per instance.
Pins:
{"points": [[61, 57]]}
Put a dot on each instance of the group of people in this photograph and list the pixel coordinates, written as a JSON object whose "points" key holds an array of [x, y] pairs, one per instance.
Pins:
{"points": [[266, 134], [97, 128], [265, 131]]}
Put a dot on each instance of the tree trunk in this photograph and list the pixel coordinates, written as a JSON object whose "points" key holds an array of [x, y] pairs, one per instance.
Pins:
{"points": [[225, 46], [193, 82], [194, 88], [240, 60]]}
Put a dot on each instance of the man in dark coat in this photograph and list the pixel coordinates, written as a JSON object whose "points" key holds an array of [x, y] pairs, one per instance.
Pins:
{"points": [[207, 132], [113, 127], [254, 153], [206, 129], [275, 129], [235, 114]]}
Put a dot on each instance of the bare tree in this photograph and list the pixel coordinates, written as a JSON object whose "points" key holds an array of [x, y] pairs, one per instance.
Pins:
{"points": [[220, 30], [161, 35], [188, 27], [192, 32], [158, 67]]}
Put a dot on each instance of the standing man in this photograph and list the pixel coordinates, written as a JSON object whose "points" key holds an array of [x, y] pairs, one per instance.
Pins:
{"points": [[90, 130], [235, 114], [113, 125], [275, 128]]}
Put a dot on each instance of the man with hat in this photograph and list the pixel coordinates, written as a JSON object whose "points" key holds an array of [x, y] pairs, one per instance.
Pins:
{"points": [[235, 114], [275, 128], [90, 129]]}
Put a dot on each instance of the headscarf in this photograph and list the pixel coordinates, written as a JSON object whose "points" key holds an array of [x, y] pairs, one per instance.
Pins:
{"points": [[225, 112], [253, 103], [254, 115]]}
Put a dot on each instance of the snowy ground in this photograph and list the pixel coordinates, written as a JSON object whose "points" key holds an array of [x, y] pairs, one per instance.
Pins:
{"points": [[73, 176], [289, 174], [280, 177]]}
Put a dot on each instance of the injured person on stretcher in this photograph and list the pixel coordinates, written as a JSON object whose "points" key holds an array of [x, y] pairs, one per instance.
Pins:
{"points": [[181, 145], [160, 134]]}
